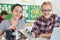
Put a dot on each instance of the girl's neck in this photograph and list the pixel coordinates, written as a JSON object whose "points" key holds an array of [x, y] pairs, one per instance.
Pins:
{"points": [[13, 21]]}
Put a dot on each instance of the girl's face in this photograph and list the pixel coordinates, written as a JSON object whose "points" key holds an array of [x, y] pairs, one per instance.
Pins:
{"points": [[17, 12], [47, 11]]}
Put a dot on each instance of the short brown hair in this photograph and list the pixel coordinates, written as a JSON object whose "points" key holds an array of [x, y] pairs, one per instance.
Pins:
{"points": [[4, 13]]}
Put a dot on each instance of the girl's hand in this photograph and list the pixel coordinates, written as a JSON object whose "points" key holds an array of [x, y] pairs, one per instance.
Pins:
{"points": [[12, 27]]}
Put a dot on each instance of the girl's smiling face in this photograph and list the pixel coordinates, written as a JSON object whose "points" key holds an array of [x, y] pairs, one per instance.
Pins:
{"points": [[47, 11], [17, 12]]}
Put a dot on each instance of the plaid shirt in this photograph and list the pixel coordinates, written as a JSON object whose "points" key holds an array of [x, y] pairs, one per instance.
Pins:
{"points": [[42, 25]]}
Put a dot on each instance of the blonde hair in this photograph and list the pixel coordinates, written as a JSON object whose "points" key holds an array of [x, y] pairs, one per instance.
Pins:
{"points": [[46, 3]]}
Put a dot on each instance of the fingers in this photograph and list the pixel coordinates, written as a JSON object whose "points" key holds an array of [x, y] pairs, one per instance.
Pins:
{"points": [[12, 27], [33, 34]]}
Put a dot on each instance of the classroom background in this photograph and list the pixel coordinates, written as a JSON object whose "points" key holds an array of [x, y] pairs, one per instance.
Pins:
{"points": [[32, 9]]}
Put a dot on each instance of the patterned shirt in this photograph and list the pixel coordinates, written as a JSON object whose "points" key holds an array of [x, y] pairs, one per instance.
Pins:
{"points": [[42, 25]]}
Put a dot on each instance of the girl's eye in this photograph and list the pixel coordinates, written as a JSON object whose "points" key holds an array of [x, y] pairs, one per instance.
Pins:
{"points": [[20, 12], [16, 10]]}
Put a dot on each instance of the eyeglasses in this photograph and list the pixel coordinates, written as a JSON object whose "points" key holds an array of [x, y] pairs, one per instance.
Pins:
{"points": [[48, 10]]}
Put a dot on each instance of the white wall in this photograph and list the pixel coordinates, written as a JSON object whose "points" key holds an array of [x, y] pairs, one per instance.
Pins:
{"points": [[56, 6], [27, 2]]}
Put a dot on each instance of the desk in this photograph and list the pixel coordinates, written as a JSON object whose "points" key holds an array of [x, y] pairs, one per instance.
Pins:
{"points": [[28, 35]]}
